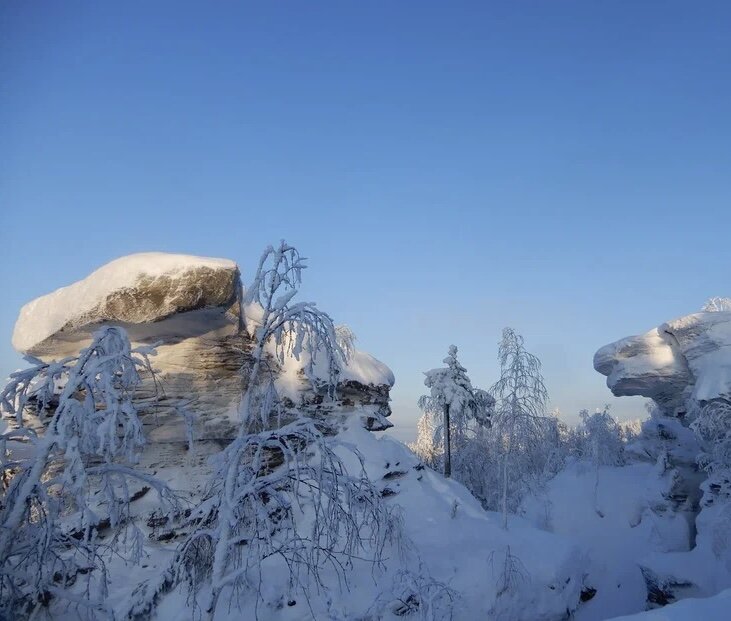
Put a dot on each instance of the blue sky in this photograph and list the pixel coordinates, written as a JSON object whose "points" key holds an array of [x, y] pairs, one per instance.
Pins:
{"points": [[449, 168]]}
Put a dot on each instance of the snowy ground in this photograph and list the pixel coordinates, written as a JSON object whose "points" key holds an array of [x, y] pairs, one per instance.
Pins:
{"points": [[617, 533], [716, 608], [451, 542]]}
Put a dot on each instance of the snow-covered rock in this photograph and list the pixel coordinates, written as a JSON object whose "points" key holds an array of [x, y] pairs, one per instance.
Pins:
{"points": [[190, 307], [689, 357], [135, 290], [682, 365]]}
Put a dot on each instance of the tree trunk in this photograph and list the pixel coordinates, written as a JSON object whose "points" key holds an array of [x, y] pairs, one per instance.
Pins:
{"points": [[596, 479], [505, 493], [447, 444]]}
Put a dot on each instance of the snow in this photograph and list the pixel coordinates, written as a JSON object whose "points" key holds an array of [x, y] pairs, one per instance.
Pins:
{"points": [[618, 539], [461, 543], [364, 368], [360, 366], [46, 315], [596, 528], [450, 540], [716, 608]]}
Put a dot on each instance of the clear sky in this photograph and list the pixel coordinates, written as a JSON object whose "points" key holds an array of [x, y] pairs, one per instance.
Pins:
{"points": [[450, 168]]}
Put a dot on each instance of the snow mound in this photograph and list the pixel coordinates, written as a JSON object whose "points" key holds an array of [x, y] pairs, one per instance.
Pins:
{"points": [[364, 368], [451, 543], [714, 608], [138, 288], [616, 525], [360, 366], [465, 546]]}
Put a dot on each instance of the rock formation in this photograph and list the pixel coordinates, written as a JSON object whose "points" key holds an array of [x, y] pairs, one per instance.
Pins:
{"points": [[687, 358], [191, 308], [682, 365]]}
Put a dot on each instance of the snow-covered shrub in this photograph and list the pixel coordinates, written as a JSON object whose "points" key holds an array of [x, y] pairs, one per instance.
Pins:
{"points": [[511, 579], [480, 464], [712, 425], [602, 437], [414, 595], [293, 508], [630, 430], [77, 423], [345, 339]]}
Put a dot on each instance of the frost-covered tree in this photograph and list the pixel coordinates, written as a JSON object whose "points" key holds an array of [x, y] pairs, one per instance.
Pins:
{"points": [[345, 338], [297, 329], [602, 444], [556, 444], [712, 426], [715, 305], [520, 419], [424, 446], [282, 499], [67, 463], [455, 404], [630, 430]]}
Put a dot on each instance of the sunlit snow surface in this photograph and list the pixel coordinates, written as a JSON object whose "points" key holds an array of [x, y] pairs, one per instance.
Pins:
{"points": [[449, 538]]}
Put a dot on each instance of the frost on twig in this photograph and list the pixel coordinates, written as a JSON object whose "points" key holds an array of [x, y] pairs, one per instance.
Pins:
{"points": [[416, 595], [717, 305]]}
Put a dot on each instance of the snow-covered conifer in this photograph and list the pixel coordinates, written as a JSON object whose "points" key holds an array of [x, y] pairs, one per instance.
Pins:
{"points": [[455, 404]]}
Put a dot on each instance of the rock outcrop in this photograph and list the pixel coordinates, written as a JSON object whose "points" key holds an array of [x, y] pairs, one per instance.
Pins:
{"points": [[136, 292], [189, 305], [687, 358], [191, 308], [682, 365]]}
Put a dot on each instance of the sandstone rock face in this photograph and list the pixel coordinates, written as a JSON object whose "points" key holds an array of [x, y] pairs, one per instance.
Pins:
{"points": [[689, 357], [192, 307], [134, 291]]}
